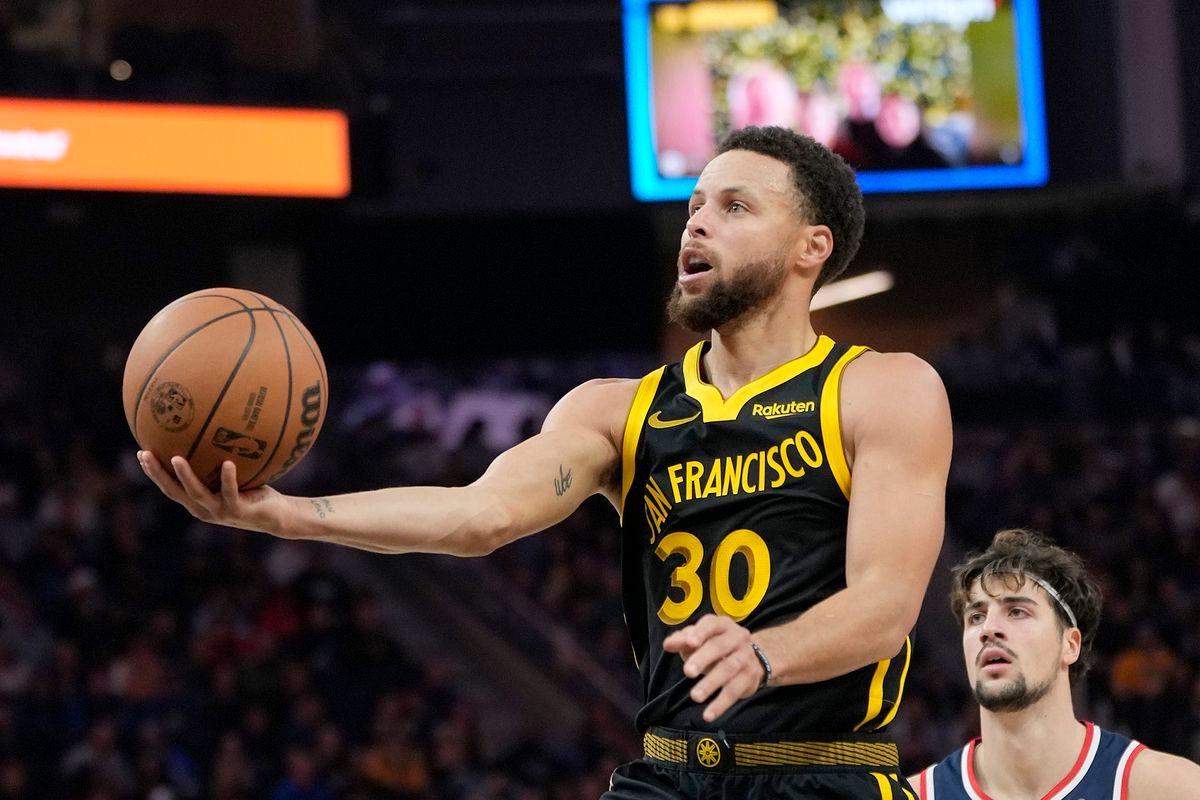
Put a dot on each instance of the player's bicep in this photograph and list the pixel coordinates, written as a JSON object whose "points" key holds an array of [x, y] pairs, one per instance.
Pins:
{"points": [[902, 443], [544, 479]]}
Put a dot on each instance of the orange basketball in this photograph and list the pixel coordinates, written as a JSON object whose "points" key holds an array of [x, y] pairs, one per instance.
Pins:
{"points": [[226, 374]]}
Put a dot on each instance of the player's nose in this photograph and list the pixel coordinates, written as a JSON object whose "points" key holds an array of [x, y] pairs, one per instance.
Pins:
{"points": [[992, 628], [698, 224]]}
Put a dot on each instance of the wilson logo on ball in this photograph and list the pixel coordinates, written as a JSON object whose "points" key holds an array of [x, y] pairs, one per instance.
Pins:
{"points": [[311, 401]]}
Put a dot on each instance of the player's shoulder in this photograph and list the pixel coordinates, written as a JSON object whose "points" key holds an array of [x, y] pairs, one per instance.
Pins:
{"points": [[600, 403], [873, 370], [601, 391], [1156, 775], [892, 388]]}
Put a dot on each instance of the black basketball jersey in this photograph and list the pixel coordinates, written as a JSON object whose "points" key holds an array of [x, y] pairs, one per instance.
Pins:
{"points": [[738, 507]]}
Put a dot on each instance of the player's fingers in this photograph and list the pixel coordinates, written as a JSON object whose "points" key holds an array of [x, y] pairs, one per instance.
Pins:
{"points": [[732, 692], [166, 482], [196, 490], [680, 641], [229, 488], [710, 653], [715, 678], [694, 635]]}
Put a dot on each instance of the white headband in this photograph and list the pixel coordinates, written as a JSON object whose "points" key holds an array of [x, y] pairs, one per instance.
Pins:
{"points": [[1057, 597]]}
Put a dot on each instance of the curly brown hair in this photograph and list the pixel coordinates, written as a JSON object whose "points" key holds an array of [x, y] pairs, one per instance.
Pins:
{"points": [[1017, 552]]}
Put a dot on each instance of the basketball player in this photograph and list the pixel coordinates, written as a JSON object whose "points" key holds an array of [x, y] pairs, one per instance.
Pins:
{"points": [[782, 498], [1029, 614]]}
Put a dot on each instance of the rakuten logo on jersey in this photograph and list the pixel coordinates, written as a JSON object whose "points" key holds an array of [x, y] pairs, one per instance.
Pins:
{"points": [[30, 145]]}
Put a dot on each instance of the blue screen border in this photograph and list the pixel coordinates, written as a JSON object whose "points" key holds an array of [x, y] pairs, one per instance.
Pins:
{"points": [[1034, 170]]}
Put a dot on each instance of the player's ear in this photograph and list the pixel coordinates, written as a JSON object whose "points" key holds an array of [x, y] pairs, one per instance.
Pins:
{"points": [[1072, 646], [814, 248]]}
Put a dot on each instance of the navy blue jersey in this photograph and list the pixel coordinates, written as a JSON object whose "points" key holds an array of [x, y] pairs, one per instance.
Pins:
{"points": [[1100, 773], [738, 507]]}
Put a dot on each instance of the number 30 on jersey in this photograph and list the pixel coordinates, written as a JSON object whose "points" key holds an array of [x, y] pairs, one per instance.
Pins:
{"points": [[685, 577]]}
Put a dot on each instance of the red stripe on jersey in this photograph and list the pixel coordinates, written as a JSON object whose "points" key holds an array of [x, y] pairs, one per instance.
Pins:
{"points": [[1128, 771], [1079, 762]]}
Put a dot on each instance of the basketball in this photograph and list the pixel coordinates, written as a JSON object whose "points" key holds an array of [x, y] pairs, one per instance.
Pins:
{"points": [[226, 375]]}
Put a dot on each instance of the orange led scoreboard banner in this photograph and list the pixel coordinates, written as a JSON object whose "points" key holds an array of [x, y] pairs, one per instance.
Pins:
{"points": [[142, 147]]}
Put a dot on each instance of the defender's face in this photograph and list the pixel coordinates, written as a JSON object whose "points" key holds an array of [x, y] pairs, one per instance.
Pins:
{"points": [[1012, 643], [742, 212]]}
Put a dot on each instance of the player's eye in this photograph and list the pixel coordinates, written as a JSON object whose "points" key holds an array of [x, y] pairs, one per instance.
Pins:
{"points": [[1018, 612], [736, 206], [974, 618]]}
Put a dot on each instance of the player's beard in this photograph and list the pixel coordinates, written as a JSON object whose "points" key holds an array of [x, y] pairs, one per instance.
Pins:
{"points": [[727, 300], [1015, 695]]}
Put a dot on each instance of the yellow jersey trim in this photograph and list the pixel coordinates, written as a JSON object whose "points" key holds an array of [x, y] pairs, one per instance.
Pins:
{"points": [[875, 696], [633, 430], [885, 786], [831, 420], [900, 689], [716, 408]]}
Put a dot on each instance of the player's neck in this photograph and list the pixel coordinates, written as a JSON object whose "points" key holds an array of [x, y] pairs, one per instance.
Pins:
{"points": [[751, 347], [1024, 754]]}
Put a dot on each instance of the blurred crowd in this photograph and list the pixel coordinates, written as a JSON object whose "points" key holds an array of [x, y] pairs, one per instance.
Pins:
{"points": [[145, 655]]}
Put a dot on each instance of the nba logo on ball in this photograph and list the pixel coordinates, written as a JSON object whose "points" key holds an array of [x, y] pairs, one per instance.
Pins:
{"points": [[226, 375]]}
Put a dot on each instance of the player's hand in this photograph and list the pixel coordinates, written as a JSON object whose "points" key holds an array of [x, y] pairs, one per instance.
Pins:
{"points": [[719, 649], [258, 509]]}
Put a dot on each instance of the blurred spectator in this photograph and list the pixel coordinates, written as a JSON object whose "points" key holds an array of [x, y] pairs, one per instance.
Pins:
{"points": [[1143, 678], [96, 764], [302, 781]]}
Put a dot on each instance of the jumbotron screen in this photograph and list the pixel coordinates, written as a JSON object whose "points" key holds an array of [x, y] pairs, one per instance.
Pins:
{"points": [[918, 95]]}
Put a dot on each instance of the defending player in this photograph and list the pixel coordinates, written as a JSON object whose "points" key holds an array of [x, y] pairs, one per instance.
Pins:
{"points": [[1029, 614], [782, 498]]}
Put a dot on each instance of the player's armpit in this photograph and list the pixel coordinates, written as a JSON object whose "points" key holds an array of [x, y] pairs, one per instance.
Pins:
{"points": [[1162, 776], [898, 431]]}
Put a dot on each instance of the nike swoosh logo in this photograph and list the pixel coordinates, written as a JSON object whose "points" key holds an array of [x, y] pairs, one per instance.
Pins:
{"points": [[656, 420]]}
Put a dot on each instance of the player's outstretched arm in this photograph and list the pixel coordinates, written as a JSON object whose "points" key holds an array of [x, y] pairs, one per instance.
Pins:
{"points": [[1162, 776], [526, 489]]}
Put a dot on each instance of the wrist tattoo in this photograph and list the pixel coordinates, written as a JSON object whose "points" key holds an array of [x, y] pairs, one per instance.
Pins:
{"points": [[323, 506], [562, 482]]}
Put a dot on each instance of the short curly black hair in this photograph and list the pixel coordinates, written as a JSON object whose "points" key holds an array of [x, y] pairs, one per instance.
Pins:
{"points": [[827, 191], [1018, 552]]}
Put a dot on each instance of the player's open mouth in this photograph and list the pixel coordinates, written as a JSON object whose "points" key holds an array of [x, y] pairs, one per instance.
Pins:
{"points": [[693, 262], [993, 656]]}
